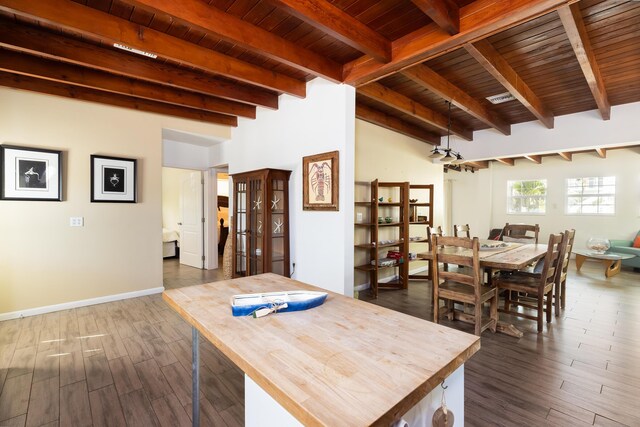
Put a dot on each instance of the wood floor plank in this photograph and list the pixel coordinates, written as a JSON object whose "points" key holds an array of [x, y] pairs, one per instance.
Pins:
{"points": [[209, 415], [166, 331], [105, 407], [18, 421], [113, 346], [44, 402], [97, 372], [145, 330], [28, 338], [170, 412], [180, 381], [560, 419], [153, 382], [233, 415], [74, 405], [6, 354], [71, 368], [49, 340], [47, 365], [70, 342], [23, 362], [14, 399], [160, 352], [124, 375], [136, 349], [137, 409]]}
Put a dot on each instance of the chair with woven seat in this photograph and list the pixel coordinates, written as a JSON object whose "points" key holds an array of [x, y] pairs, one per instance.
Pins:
{"points": [[462, 230], [518, 233], [463, 285], [540, 287]]}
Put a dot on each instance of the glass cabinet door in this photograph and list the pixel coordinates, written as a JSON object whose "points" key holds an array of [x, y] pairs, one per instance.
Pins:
{"points": [[257, 205], [240, 225], [278, 226]]}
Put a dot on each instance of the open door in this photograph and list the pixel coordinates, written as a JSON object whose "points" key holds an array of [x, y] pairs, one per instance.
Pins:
{"points": [[192, 227]]}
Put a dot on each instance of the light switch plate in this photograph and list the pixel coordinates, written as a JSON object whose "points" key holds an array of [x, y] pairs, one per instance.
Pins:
{"points": [[359, 216], [76, 221]]}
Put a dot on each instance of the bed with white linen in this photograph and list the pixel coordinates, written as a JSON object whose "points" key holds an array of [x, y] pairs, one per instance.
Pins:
{"points": [[170, 243]]}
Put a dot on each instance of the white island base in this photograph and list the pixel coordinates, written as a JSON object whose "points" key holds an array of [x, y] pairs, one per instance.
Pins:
{"points": [[261, 410]]}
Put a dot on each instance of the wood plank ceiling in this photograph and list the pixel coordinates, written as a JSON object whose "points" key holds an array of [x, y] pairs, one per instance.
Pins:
{"points": [[217, 60]]}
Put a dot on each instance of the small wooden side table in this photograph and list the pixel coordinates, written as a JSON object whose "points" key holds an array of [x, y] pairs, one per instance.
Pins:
{"points": [[612, 262]]}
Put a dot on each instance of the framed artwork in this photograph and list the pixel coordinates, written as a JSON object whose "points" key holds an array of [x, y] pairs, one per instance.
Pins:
{"points": [[320, 182], [113, 179], [30, 174]]}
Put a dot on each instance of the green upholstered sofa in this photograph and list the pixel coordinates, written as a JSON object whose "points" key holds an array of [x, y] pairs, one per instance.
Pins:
{"points": [[626, 247]]}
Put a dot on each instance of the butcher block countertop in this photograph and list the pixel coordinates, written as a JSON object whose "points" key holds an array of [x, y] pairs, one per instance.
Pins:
{"points": [[347, 362]]}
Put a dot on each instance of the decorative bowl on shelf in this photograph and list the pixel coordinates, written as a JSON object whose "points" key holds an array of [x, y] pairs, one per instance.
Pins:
{"points": [[388, 220], [598, 245], [380, 220], [413, 200], [381, 199]]}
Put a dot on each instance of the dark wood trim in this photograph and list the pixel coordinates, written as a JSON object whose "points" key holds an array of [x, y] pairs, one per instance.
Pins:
{"points": [[40, 42], [392, 123], [400, 102], [211, 20], [534, 158], [434, 82], [28, 65], [445, 13], [500, 69], [478, 164], [507, 161], [573, 23], [75, 92], [328, 18], [109, 28]]}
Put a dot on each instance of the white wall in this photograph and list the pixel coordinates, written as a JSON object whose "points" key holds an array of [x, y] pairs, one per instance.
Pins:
{"points": [[171, 203], [480, 198], [321, 242], [389, 156]]}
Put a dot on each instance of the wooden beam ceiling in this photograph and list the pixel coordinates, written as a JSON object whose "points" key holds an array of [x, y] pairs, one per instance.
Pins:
{"points": [[324, 16], [28, 65], [537, 159], [507, 161], [602, 153], [214, 21], [500, 69], [395, 100], [565, 155], [478, 164], [477, 20], [386, 121], [573, 23], [432, 81], [37, 41], [85, 94], [93, 23], [445, 13]]}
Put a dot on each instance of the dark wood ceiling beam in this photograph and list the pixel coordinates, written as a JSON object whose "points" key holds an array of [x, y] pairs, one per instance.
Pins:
{"points": [[565, 155], [478, 164], [212, 20], [28, 65], [573, 23], [397, 101], [37, 41], [434, 82], [478, 20], [507, 161], [94, 23], [386, 121], [445, 13], [326, 17], [602, 153], [534, 158], [75, 92], [500, 69]]}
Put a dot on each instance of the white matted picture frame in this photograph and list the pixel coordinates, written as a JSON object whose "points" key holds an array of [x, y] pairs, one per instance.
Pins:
{"points": [[32, 174], [113, 179]]}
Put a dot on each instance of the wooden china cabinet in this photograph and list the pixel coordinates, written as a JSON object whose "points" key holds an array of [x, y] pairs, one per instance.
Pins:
{"points": [[261, 222]]}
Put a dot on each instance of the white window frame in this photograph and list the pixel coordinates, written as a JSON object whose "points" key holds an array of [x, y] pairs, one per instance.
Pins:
{"points": [[600, 178], [510, 197]]}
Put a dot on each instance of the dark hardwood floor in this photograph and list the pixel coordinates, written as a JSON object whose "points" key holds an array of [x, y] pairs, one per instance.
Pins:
{"points": [[128, 362], [582, 370]]}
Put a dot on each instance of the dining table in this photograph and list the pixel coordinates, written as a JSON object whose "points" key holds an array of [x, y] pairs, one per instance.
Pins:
{"points": [[509, 256]]}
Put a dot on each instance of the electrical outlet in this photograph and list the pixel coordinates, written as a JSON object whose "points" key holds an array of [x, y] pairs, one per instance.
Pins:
{"points": [[76, 221], [359, 216]]}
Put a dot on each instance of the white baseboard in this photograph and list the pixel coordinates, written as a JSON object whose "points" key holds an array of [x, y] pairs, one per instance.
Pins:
{"points": [[80, 303], [365, 286]]}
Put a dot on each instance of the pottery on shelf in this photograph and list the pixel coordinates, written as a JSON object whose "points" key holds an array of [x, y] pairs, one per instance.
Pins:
{"points": [[413, 200], [388, 219]]}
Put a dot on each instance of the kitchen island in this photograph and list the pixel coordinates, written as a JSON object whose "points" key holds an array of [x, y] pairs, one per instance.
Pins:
{"points": [[347, 362]]}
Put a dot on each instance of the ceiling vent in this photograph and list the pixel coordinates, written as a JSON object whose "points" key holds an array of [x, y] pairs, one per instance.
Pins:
{"points": [[133, 50], [500, 98]]}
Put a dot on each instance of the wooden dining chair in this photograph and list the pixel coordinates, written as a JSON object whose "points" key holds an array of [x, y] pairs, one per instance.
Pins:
{"points": [[462, 231], [462, 285], [518, 232], [433, 231], [533, 286]]}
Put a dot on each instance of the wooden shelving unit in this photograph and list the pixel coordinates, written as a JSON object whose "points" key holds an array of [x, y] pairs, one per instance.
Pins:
{"points": [[385, 236], [422, 208]]}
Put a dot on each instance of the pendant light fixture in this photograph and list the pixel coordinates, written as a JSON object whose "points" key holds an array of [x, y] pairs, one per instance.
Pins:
{"points": [[450, 156]]}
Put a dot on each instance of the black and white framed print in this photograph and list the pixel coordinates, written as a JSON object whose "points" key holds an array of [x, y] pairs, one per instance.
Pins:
{"points": [[113, 179], [30, 174]]}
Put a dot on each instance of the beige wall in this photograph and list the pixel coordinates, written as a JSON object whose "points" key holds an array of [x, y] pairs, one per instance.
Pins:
{"points": [[43, 261], [389, 156]]}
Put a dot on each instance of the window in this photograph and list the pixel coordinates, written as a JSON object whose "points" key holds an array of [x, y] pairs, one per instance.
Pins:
{"points": [[527, 197], [591, 196]]}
